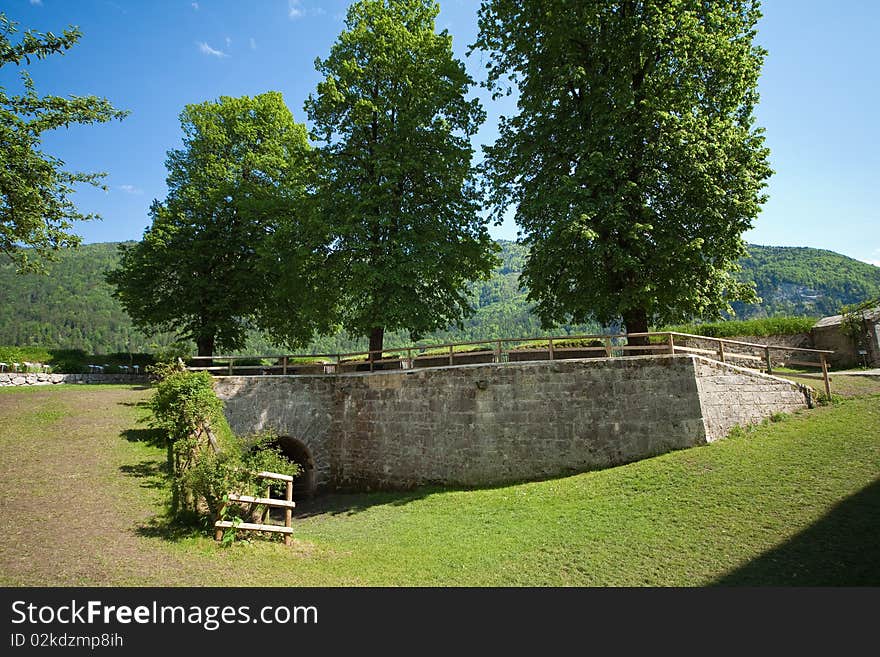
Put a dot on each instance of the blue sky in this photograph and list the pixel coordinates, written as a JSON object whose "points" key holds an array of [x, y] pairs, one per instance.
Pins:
{"points": [[820, 90]]}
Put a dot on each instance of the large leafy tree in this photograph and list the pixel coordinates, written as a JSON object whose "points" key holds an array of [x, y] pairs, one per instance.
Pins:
{"points": [[633, 162], [237, 179], [396, 182], [36, 209]]}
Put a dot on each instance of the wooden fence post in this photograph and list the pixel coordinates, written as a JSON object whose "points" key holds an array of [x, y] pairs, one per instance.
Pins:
{"points": [[284, 365], [825, 376], [608, 352], [767, 358], [231, 361], [451, 351], [671, 343], [287, 511], [721, 350], [218, 533], [266, 515], [550, 346]]}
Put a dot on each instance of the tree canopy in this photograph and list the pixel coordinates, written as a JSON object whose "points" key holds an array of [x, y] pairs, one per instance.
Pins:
{"points": [[36, 211], [395, 179], [238, 176], [633, 161]]}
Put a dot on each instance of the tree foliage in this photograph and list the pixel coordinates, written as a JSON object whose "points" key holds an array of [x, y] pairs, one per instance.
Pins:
{"points": [[396, 182], [633, 161], [36, 209], [238, 176]]}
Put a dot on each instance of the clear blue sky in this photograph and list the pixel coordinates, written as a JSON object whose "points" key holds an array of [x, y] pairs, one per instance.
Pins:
{"points": [[820, 91]]}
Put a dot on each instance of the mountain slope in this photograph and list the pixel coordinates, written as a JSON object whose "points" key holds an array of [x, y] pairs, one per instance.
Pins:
{"points": [[72, 307], [802, 281]]}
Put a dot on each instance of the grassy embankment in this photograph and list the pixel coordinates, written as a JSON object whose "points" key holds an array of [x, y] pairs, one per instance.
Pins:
{"points": [[795, 501]]}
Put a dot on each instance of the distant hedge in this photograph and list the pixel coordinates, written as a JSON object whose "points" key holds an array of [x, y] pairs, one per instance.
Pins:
{"points": [[757, 327]]}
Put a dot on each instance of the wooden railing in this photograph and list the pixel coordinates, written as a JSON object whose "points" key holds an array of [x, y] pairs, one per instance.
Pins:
{"points": [[542, 348], [267, 503]]}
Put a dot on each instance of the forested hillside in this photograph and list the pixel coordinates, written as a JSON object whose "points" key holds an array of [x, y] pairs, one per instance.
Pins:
{"points": [[73, 308], [803, 281]]}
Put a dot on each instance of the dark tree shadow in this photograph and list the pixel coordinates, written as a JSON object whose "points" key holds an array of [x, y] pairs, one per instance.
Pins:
{"points": [[151, 437], [840, 549], [154, 473], [173, 530], [143, 403]]}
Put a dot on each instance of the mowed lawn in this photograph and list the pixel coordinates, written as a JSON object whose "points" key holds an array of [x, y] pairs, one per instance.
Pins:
{"points": [[792, 502]]}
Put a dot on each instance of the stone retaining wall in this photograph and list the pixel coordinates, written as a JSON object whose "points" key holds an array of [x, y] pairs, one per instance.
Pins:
{"points": [[495, 423], [731, 396]]}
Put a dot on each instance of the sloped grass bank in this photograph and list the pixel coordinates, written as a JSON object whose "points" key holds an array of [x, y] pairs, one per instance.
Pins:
{"points": [[791, 502]]}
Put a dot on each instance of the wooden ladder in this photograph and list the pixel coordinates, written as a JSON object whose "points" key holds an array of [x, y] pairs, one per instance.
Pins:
{"points": [[269, 502]]}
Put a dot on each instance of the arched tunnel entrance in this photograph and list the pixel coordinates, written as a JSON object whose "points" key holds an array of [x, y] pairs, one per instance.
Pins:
{"points": [[297, 452]]}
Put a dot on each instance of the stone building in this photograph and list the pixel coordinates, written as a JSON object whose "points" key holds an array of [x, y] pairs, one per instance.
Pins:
{"points": [[829, 333]]}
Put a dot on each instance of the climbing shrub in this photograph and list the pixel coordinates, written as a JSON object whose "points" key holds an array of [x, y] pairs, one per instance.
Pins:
{"points": [[210, 475], [185, 407], [184, 401]]}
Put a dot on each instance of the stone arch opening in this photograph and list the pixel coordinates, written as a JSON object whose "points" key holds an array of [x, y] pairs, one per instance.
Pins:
{"points": [[296, 451]]}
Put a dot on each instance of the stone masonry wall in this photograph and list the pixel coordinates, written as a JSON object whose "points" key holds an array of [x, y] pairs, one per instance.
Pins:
{"points": [[496, 423], [473, 424], [732, 396], [302, 407], [43, 379]]}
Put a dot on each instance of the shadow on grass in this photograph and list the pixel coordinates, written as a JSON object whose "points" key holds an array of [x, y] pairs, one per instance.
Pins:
{"points": [[350, 503], [347, 504], [151, 437], [172, 529], [840, 549], [136, 404], [154, 473]]}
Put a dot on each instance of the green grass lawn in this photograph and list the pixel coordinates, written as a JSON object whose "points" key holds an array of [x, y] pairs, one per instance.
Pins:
{"points": [[790, 502]]}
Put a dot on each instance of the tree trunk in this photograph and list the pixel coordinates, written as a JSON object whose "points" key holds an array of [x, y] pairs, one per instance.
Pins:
{"points": [[636, 321], [205, 345], [377, 341]]}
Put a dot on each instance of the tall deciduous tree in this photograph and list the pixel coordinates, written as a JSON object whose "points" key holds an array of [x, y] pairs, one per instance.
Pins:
{"points": [[238, 177], [633, 161], [36, 211], [396, 180]]}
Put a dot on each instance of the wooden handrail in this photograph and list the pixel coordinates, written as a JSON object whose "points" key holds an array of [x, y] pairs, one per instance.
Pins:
{"points": [[739, 342], [542, 343]]}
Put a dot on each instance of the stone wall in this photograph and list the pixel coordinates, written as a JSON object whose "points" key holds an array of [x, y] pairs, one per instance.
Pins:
{"points": [[731, 396], [844, 347], [43, 379], [496, 423]]}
